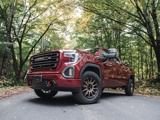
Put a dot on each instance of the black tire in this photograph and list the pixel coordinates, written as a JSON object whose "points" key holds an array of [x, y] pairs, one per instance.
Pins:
{"points": [[129, 90], [103, 90], [45, 94], [91, 89]]}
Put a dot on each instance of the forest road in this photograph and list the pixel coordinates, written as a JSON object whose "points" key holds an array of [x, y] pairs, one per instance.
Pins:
{"points": [[111, 106]]}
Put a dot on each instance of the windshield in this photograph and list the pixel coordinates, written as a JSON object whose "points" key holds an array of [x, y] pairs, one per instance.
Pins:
{"points": [[92, 50]]}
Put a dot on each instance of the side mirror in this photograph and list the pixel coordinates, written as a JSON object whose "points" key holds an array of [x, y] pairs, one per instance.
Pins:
{"points": [[111, 55]]}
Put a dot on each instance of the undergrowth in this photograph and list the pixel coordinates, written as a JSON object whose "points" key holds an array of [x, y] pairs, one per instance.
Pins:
{"points": [[147, 88]]}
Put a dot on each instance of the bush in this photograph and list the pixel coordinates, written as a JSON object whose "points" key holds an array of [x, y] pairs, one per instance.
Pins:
{"points": [[6, 83], [147, 88]]}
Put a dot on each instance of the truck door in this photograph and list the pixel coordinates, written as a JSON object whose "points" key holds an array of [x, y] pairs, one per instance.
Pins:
{"points": [[115, 72], [110, 72], [124, 73]]}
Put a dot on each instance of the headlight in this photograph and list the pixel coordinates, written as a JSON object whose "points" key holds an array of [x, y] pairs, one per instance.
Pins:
{"points": [[71, 57]]}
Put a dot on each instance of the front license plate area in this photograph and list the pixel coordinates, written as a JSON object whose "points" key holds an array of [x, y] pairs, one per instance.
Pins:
{"points": [[37, 80]]}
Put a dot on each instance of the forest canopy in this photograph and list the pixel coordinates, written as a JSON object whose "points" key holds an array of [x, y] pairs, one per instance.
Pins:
{"points": [[32, 26]]}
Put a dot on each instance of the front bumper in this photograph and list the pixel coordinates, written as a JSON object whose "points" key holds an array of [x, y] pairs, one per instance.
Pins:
{"points": [[53, 82]]}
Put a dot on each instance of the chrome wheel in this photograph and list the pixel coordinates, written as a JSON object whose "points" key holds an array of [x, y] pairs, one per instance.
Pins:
{"points": [[89, 88]]}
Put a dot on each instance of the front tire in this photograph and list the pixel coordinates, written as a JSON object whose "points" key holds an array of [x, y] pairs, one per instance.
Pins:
{"points": [[91, 88], [45, 94], [129, 90]]}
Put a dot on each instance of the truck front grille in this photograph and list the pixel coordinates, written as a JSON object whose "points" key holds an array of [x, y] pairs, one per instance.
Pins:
{"points": [[45, 61]]}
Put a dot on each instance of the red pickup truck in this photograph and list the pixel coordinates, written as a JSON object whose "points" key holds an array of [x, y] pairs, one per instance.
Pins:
{"points": [[85, 73]]}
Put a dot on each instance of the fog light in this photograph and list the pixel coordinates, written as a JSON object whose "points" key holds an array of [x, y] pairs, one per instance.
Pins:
{"points": [[68, 72]]}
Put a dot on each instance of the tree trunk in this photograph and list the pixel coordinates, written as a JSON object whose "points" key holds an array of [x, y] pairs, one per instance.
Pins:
{"points": [[157, 52], [119, 43], [3, 69], [142, 75], [138, 66], [151, 61], [19, 77], [15, 64]]}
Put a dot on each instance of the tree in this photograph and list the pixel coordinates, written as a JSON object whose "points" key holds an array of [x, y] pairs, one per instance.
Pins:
{"points": [[4, 56], [143, 19], [4, 52], [25, 24]]}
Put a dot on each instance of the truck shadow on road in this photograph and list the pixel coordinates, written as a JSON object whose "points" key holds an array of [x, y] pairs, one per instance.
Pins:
{"points": [[111, 95], [68, 100], [64, 100]]}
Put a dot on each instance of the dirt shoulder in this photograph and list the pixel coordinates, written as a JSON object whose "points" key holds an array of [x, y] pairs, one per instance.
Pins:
{"points": [[148, 92], [9, 91]]}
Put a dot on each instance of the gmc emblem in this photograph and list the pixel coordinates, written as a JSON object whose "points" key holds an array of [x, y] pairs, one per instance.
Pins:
{"points": [[41, 58]]}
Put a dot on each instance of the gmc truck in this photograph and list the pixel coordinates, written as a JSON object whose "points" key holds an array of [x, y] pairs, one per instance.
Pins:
{"points": [[85, 73]]}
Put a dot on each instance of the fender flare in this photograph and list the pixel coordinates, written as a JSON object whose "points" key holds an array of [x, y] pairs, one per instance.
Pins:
{"points": [[91, 65]]}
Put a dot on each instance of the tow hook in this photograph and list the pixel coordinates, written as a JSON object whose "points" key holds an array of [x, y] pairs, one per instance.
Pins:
{"points": [[51, 83]]}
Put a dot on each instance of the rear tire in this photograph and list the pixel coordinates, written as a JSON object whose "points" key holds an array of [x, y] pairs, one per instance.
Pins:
{"points": [[45, 94], [90, 90], [129, 90]]}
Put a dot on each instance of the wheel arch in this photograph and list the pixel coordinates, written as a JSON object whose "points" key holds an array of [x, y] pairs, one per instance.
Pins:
{"points": [[91, 67], [132, 77]]}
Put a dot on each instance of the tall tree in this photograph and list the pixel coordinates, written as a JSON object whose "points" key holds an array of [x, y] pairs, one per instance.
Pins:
{"points": [[4, 51], [143, 19], [27, 22]]}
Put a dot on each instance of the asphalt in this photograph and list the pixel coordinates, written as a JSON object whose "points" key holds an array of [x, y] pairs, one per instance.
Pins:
{"points": [[111, 106]]}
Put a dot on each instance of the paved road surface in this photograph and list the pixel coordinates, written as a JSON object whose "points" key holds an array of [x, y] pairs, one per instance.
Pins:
{"points": [[111, 106]]}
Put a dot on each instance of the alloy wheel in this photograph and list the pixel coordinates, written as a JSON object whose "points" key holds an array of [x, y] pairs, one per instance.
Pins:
{"points": [[89, 87]]}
